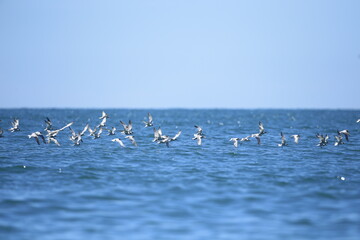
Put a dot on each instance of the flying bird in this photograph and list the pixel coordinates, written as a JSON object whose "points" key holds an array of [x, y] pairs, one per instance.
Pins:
{"points": [[15, 125], [149, 123], [132, 139], [118, 140], [346, 134], [261, 129], [127, 128], [36, 136], [296, 138], [235, 141], [283, 140], [103, 115]]}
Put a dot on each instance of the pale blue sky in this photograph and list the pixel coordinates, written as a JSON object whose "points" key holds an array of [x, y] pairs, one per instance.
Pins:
{"points": [[189, 54]]}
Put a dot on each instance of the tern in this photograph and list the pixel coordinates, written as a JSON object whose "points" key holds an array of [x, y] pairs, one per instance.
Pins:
{"points": [[338, 139], [127, 128], [245, 139], [92, 131], [198, 137], [167, 139], [157, 134], [199, 130], [111, 131], [257, 136], [323, 140], [149, 123], [98, 133], [296, 138], [48, 124], [235, 141], [132, 139], [36, 135], [103, 123], [53, 133], [53, 139], [261, 129], [118, 140], [103, 115], [15, 125], [283, 140], [346, 134]]}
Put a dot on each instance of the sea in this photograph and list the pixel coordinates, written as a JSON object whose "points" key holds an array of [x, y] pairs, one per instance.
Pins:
{"points": [[100, 190]]}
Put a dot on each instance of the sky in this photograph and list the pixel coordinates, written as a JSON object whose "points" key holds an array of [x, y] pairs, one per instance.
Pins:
{"points": [[180, 54]]}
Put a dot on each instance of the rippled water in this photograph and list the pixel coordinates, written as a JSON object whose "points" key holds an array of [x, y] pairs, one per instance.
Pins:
{"points": [[99, 190]]}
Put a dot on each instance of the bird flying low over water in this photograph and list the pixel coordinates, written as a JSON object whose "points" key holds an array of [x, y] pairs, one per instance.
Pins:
{"points": [[338, 139], [257, 136], [157, 134], [149, 123], [166, 139], [15, 125], [111, 131], [48, 124], [261, 129], [199, 138], [346, 134], [358, 121], [118, 140], [103, 123], [54, 140], [103, 115], [132, 139], [98, 133], [235, 141], [245, 139], [323, 140], [36, 136], [53, 133], [127, 128], [296, 138], [283, 140]]}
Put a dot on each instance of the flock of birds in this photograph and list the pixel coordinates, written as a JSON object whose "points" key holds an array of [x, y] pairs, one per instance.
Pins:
{"points": [[159, 137]]}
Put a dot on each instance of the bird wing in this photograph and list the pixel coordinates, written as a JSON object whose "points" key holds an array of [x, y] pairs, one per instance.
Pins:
{"points": [[176, 136]]}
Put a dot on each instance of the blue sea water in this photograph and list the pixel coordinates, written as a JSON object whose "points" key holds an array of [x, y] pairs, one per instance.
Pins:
{"points": [[99, 190]]}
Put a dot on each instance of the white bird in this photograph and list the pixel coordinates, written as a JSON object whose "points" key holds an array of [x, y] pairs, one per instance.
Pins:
{"points": [[199, 130], [157, 134], [245, 139], [98, 133], [338, 139], [48, 124], [346, 134], [111, 131], [167, 139], [15, 125], [257, 136], [53, 133], [149, 123], [36, 136], [283, 140], [235, 141], [53, 139], [92, 131], [118, 140], [127, 128], [323, 140], [296, 138], [261, 129], [103, 115], [132, 139], [199, 138], [103, 123], [358, 121]]}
